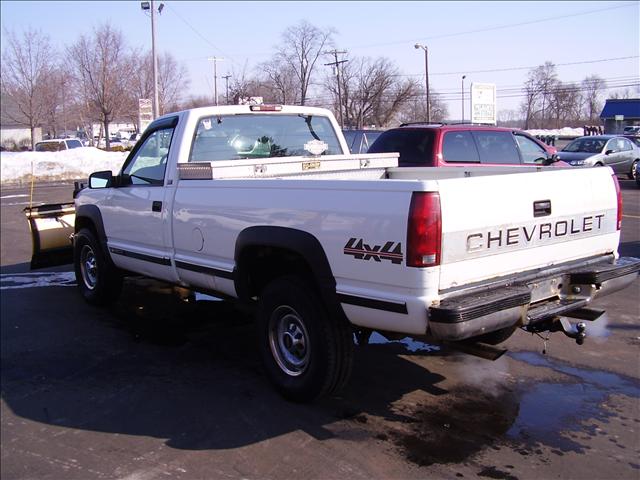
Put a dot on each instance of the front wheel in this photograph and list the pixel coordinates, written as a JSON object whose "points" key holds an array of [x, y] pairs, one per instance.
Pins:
{"points": [[305, 352], [99, 282]]}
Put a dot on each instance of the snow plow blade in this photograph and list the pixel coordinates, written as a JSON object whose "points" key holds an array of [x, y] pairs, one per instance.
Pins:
{"points": [[52, 228]]}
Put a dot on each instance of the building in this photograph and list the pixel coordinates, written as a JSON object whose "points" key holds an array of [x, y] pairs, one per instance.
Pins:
{"points": [[619, 113]]}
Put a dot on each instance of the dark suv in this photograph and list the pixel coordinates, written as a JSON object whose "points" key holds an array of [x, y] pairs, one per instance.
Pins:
{"points": [[441, 145]]}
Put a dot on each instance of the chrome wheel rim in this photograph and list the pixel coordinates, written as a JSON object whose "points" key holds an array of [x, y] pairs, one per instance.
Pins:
{"points": [[289, 340], [88, 267]]}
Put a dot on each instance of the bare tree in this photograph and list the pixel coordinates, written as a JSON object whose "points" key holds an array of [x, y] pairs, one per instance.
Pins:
{"points": [[564, 103], [279, 79], [58, 113], [540, 82], [103, 66], [372, 91], [300, 49], [26, 66], [415, 109], [592, 89]]}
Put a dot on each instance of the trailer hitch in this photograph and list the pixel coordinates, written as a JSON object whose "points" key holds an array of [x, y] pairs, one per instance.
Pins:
{"points": [[576, 331]]}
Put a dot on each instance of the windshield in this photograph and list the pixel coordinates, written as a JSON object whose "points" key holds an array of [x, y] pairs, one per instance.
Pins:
{"points": [[232, 137], [49, 146], [586, 145]]}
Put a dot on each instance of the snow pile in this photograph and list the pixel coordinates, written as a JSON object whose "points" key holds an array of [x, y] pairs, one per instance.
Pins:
{"points": [[559, 132], [74, 164]]}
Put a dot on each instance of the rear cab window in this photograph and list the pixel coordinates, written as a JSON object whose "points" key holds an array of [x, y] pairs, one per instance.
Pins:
{"points": [[415, 146], [496, 147], [234, 137]]}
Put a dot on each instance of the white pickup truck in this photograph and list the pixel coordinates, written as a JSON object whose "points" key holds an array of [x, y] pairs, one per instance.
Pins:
{"points": [[265, 205]]}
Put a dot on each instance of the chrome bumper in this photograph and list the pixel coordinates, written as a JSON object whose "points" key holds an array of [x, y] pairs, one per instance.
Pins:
{"points": [[529, 298]]}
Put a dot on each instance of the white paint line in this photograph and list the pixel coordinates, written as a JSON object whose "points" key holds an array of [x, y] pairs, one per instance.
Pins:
{"points": [[22, 195]]}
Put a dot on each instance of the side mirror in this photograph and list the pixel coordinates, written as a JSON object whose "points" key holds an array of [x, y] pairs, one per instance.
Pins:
{"points": [[553, 158], [609, 152], [103, 179]]}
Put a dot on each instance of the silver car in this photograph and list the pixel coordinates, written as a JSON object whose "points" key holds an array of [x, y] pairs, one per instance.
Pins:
{"points": [[615, 151]]}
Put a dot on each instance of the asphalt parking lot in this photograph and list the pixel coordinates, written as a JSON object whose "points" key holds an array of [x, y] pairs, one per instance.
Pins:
{"points": [[160, 387]]}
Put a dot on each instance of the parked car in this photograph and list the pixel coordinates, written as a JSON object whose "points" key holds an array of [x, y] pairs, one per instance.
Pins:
{"points": [[58, 144], [616, 151], [634, 138], [631, 130], [441, 145], [359, 141]]}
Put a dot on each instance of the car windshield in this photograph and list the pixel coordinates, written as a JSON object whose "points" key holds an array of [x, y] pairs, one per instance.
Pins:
{"points": [[49, 146], [586, 145], [232, 137]]}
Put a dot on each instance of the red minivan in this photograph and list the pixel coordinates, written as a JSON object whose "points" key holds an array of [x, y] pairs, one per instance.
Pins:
{"points": [[441, 145]]}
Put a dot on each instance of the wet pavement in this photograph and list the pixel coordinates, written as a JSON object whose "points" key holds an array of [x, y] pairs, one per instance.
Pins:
{"points": [[167, 385]]}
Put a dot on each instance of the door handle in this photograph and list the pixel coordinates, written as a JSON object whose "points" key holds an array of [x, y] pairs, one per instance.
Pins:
{"points": [[156, 206]]}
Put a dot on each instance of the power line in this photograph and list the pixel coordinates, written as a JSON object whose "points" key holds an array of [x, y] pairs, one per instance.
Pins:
{"points": [[496, 27], [508, 69]]}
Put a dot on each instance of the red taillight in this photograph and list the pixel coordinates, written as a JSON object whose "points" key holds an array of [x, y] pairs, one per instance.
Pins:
{"points": [[619, 195], [424, 230]]}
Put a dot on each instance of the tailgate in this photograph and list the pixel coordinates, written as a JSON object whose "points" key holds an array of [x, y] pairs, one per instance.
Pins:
{"points": [[502, 224]]}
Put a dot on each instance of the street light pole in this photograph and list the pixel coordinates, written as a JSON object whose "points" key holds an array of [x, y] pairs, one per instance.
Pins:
{"points": [[463, 77], [426, 76], [156, 108]]}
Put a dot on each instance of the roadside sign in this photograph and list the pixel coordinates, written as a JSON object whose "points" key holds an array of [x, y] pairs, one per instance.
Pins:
{"points": [[619, 118], [483, 103], [145, 113]]}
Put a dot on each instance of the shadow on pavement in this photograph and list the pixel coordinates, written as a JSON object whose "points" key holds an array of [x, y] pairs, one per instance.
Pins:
{"points": [[160, 364]]}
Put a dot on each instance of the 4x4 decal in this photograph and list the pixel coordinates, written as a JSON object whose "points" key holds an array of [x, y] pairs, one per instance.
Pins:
{"points": [[391, 251]]}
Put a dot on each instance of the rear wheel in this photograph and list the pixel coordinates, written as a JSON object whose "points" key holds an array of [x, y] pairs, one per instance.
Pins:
{"points": [[633, 173], [98, 280], [306, 352]]}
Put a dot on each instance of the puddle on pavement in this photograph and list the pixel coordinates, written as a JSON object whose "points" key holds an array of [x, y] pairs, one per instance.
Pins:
{"points": [[409, 344], [546, 409], [525, 418]]}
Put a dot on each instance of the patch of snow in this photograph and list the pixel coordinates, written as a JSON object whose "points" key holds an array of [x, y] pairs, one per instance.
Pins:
{"points": [[74, 164], [558, 132]]}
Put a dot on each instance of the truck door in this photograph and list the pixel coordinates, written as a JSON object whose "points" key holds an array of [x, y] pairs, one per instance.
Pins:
{"points": [[136, 214]]}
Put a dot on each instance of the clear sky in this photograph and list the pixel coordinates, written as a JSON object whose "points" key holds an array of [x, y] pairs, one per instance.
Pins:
{"points": [[487, 41]]}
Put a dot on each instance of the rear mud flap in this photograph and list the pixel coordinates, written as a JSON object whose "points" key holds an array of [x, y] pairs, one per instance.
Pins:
{"points": [[52, 227]]}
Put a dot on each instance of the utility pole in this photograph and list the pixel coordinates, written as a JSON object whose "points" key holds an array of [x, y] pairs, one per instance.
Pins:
{"points": [[336, 65], [426, 76], [226, 79], [215, 61]]}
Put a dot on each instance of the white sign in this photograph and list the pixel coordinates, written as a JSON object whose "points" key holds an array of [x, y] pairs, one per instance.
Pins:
{"points": [[483, 103], [145, 113], [619, 118]]}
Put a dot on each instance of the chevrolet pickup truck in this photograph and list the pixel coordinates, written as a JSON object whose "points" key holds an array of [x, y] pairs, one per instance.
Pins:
{"points": [[264, 204]]}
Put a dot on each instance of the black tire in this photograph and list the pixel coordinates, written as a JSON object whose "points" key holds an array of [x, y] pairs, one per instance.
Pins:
{"points": [[633, 173], [99, 282], [306, 353]]}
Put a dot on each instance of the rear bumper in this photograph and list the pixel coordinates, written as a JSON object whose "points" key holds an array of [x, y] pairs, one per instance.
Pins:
{"points": [[529, 298]]}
